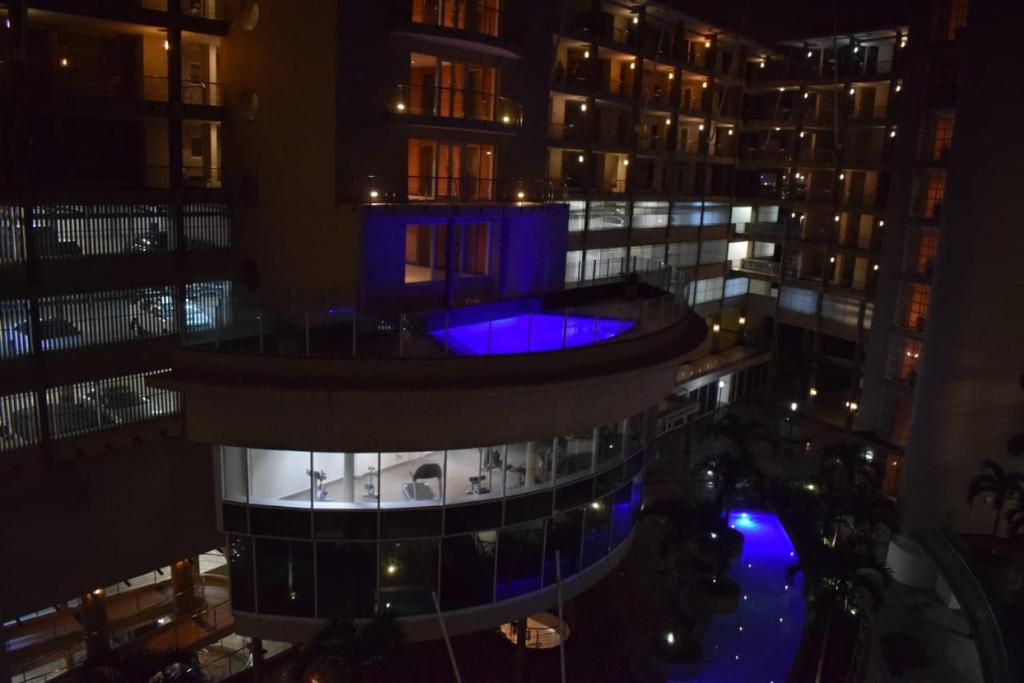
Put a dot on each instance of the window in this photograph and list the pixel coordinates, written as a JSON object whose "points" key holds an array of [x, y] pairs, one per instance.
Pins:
{"points": [[426, 251], [915, 307], [93, 318], [713, 251], [942, 137], [577, 215], [709, 289], [798, 300], [935, 195], [607, 216], [909, 355], [440, 87], [12, 234], [604, 263], [845, 311], [573, 266], [736, 286], [647, 257], [682, 254], [19, 421], [195, 147], [16, 335], [927, 248], [438, 170], [478, 16], [650, 214]]}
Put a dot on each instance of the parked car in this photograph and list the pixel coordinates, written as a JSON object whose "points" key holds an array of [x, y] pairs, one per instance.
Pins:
{"points": [[66, 417], [54, 333], [120, 403], [152, 241], [154, 315]]}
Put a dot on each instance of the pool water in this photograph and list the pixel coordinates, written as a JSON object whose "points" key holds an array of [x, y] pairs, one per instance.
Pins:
{"points": [[529, 333], [771, 615]]}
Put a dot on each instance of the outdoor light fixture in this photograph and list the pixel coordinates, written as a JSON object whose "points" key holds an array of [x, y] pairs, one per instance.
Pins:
{"points": [[668, 122], [777, 128], [392, 569], [636, 20], [700, 127], [806, 95], [813, 392], [853, 407], [716, 328], [713, 535], [831, 259], [899, 86], [875, 267], [671, 75], [580, 158], [743, 321], [596, 505], [632, 66], [730, 131], [520, 195], [7, 23], [400, 106], [506, 119], [892, 133], [64, 62], [793, 406], [374, 194], [836, 219], [782, 89], [801, 133], [762, 64], [707, 42], [704, 85], [583, 106], [842, 176], [853, 90], [167, 45], [721, 384], [711, 473], [856, 49], [881, 223], [586, 54], [810, 53], [625, 162], [670, 638], [793, 213], [903, 41]]}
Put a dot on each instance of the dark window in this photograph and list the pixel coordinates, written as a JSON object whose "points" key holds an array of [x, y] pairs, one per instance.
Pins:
{"points": [[346, 579], [563, 536], [279, 522], [408, 576], [346, 524], [285, 571], [608, 480], [620, 514], [234, 518], [243, 584], [467, 570], [574, 495], [525, 508], [410, 523], [519, 560], [597, 527], [462, 518]]}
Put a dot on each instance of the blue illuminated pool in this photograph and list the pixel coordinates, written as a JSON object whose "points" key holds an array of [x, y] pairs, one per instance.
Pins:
{"points": [[771, 613], [528, 332]]}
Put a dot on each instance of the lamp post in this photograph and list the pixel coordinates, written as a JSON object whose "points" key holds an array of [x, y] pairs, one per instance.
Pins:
{"points": [[792, 408]]}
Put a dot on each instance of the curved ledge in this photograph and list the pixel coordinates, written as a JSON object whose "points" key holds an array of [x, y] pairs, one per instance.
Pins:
{"points": [[424, 403], [458, 622]]}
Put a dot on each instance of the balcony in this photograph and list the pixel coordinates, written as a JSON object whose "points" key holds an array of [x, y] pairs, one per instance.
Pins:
{"points": [[760, 266], [71, 83], [456, 22], [449, 189], [457, 106], [771, 231]]}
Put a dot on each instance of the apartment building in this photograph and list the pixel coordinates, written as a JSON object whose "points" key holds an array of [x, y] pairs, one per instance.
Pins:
{"points": [[115, 241]]}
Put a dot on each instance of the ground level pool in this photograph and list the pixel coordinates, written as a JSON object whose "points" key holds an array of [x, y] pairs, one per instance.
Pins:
{"points": [[757, 643]]}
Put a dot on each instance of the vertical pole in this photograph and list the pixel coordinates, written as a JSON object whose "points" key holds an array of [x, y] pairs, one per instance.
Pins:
{"points": [[561, 623], [447, 641]]}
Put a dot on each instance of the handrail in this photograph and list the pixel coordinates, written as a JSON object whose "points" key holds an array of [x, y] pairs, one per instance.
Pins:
{"points": [[970, 593], [455, 103]]}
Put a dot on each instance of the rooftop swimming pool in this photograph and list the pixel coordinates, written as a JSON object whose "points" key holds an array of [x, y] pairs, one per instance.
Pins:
{"points": [[528, 333], [758, 642]]}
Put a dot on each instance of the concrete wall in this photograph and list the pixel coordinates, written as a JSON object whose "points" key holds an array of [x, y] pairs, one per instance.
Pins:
{"points": [[96, 520], [968, 398]]}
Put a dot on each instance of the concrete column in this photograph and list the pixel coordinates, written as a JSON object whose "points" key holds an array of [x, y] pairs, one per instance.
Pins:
{"points": [[92, 614], [968, 395], [183, 585], [532, 461], [348, 483]]}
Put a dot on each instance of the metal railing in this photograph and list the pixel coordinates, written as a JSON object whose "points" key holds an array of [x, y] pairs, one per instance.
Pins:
{"points": [[464, 15], [455, 103], [204, 93], [486, 329], [203, 9], [159, 176], [396, 189], [986, 626], [761, 266], [567, 131], [774, 230]]}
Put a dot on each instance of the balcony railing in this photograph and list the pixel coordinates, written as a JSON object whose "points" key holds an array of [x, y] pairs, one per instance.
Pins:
{"points": [[761, 266], [191, 176], [464, 15], [454, 103], [203, 9], [86, 83], [773, 230], [567, 131], [397, 189], [202, 93]]}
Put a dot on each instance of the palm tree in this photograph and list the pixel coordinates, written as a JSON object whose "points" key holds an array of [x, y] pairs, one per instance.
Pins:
{"points": [[999, 486], [342, 646], [844, 467]]}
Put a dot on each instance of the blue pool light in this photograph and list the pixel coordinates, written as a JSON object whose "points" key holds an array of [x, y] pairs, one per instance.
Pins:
{"points": [[528, 333]]}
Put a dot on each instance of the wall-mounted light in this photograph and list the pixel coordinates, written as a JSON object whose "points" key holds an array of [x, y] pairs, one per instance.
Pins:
{"points": [[875, 268], [488, 152], [743, 321], [65, 62], [892, 133], [730, 131], [636, 20], [856, 49], [586, 54], [806, 95], [704, 85], [793, 406], [721, 384], [903, 41], [813, 391], [374, 194], [580, 158], [831, 259], [853, 407], [632, 66], [707, 43], [881, 224], [668, 122], [761, 65], [520, 195], [899, 85], [777, 129], [700, 127], [7, 23], [842, 176], [671, 75], [802, 133], [400, 106], [792, 214], [836, 218], [810, 53], [583, 107], [167, 45], [392, 569], [506, 119], [625, 162], [853, 91], [716, 328]]}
